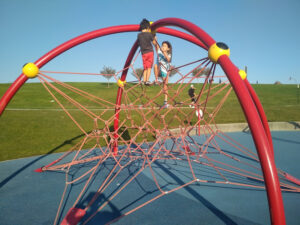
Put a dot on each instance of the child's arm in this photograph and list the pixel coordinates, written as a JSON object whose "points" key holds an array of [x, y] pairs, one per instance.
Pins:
{"points": [[155, 43], [167, 56]]}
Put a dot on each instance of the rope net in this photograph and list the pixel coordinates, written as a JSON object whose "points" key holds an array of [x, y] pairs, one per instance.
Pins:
{"points": [[174, 146]]}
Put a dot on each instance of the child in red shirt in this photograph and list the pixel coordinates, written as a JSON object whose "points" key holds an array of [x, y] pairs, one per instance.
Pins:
{"points": [[145, 40]]}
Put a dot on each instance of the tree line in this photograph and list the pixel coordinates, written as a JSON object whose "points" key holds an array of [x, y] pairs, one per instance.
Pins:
{"points": [[108, 72]]}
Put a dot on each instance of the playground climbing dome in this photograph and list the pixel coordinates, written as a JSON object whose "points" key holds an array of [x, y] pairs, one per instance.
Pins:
{"points": [[132, 134]]}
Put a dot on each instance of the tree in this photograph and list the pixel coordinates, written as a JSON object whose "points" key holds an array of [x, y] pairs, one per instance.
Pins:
{"points": [[196, 72], [138, 73], [173, 71], [277, 82], [108, 73]]}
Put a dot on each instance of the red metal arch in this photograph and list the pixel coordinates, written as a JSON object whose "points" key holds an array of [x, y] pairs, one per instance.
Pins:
{"points": [[253, 116], [260, 136], [252, 109], [79, 40]]}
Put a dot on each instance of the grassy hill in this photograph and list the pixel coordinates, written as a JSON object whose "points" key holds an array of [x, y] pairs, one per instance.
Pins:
{"points": [[31, 125]]}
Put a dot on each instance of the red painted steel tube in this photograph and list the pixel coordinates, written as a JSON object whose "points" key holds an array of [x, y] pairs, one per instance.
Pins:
{"points": [[188, 26], [182, 35], [254, 121], [119, 96], [79, 40], [11, 91], [159, 29], [261, 112], [253, 118], [132, 52], [260, 139], [60, 49], [83, 38]]}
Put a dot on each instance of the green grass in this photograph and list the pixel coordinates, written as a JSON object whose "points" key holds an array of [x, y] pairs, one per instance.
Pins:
{"points": [[26, 133]]}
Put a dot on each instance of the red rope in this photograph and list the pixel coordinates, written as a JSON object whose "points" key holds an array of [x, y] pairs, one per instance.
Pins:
{"points": [[173, 130]]}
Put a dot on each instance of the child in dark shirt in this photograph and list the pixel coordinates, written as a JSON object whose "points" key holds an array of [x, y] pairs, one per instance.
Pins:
{"points": [[145, 41], [191, 93]]}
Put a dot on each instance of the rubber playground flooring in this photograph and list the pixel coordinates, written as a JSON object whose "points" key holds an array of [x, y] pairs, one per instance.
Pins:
{"points": [[27, 197]]}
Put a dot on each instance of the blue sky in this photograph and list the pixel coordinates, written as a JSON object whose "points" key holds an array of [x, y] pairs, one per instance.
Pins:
{"points": [[262, 34]]}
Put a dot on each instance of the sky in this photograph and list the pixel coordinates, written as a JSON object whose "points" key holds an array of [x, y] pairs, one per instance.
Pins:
{"points": [[261, 34]]}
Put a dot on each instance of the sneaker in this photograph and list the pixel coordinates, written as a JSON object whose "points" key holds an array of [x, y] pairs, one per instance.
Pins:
{"points": [[164, 106], [147, 83]]}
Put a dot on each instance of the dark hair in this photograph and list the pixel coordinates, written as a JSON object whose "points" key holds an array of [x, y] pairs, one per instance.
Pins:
{"points": [[145, 24], [169, 46]]}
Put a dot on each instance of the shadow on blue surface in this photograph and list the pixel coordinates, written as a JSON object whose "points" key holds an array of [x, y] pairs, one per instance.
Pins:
{"points": [[101, 218], [204, 204], [11, 176], [218, 213]]}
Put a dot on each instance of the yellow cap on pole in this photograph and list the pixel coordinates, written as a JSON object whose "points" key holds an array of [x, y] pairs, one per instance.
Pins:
{"points": [[216, 50], [30, 70]]}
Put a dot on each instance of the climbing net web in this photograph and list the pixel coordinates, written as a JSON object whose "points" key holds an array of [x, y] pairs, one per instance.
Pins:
{"points": [[174, 146]]}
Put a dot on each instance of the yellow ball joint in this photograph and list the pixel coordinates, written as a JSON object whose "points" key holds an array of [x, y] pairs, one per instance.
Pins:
{"points": [[152, 31], [243, 74], [216, 50], [30, 70], [121, 83]]}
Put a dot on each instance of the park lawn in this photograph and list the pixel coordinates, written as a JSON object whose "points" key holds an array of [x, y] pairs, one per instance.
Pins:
{"points": [[26, 133], [279, 101]]}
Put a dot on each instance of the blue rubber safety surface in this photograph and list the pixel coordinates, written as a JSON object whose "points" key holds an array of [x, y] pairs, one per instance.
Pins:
{"points": [[27, 197]]}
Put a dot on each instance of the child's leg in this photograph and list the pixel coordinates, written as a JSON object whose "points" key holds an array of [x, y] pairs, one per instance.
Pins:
{"points": [[148, 73], [165, 88], [145, 75], [156, 72]]}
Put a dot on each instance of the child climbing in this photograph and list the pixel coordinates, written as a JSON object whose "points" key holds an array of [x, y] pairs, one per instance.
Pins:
{"points": [[145, 41], [191, 93], [161, 68]]}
